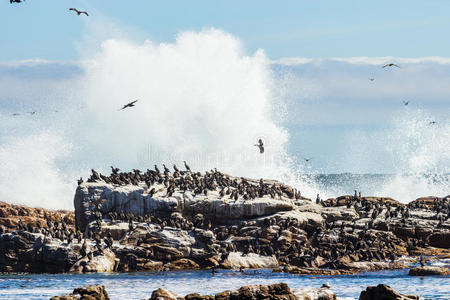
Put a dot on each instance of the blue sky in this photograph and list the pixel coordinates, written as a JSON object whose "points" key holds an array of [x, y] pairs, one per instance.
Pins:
{"points": [[46, 29], [313, 44], [216, 74]]}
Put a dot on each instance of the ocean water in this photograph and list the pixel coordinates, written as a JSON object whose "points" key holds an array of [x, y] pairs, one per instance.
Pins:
{"points": [[141, 285]]}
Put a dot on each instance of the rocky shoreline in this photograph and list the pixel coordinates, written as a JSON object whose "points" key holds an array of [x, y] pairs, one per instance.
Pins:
{"points": [[183, 220], [280, 291]]}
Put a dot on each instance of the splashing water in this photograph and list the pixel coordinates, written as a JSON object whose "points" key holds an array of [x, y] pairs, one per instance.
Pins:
{"points": [[421, 152], [200, 99]]}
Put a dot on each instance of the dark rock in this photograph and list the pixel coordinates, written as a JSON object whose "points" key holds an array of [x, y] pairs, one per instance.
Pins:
{"points": [[384, 292], [428, 271], [91, 292]]}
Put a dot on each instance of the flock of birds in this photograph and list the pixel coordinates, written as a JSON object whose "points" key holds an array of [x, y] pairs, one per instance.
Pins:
{"points": [[260, 143], [168, 182]]}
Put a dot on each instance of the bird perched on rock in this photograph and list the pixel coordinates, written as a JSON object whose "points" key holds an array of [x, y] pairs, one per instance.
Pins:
{"points": [[79, 12], [187, 167], [260, 145]]}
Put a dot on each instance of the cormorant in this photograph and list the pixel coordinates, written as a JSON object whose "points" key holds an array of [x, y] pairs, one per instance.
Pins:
{"points": [[79, 12], [390, 65], [186, 166], [260, 145], [131, 104]]}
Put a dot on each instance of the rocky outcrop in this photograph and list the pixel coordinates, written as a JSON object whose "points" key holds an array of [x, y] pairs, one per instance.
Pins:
{"points": [[309, 293], [279, 291], [428, 271], [384, 292], [22, 251], [100, 263], [185, 220], [136, 200], [236, 260], [91, 292], [16, 217]]}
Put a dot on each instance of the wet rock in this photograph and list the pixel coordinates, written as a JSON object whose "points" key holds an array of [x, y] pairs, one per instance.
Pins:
{"points": [[384, 292], [183, 264], [236, 260], [428, 271], [100, 263], [162, 294], [91, 292], [323, 293]]}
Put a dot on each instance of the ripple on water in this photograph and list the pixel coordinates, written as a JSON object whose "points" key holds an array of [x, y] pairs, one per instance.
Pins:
{"points": [[141, 285]]}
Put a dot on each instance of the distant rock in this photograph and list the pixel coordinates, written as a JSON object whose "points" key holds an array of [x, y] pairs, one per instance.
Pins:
{"points": [[91, 292], [312, 293], [428, 271], [11, 214], [237, 260], [384, 292]]}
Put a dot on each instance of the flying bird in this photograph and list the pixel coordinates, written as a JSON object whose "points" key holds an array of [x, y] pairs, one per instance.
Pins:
{"points": [[390, 65], [405, 103], [16, 114], [131, 104], [260, 145], [79, 12], [371, 79], [16, 1], [432, 123], [307, 159]]}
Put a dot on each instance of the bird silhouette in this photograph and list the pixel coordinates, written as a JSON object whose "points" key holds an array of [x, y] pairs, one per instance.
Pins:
{"points": [[405, 103], [16, 1], [260, 145], [371, 79], [307, 159], [390, 65], [131, 104], [79, 12], [432, 123]]}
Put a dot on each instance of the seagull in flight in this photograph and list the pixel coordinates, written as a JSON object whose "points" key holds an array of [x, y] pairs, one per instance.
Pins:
{"points": [[131, 104], [307, 159], [405, 103], [390, 65], [79, 12], [260, 145]]}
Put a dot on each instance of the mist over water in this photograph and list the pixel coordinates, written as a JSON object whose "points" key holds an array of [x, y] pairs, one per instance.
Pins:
{"points": [[201, 99]]}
